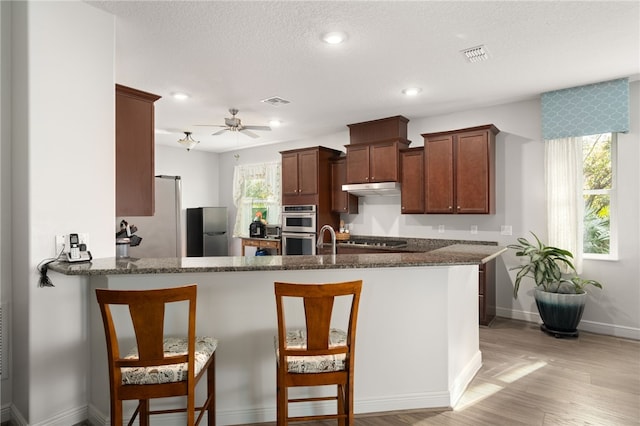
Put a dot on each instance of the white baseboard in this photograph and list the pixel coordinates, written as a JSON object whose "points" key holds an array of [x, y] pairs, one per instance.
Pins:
{"points": [[16, 417], [461, 382], [5, 413], [65, 418], [234, 417], [585, 325]]}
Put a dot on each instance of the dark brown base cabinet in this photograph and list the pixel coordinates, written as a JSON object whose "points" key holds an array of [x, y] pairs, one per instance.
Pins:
{"points": [[460, 171], [487, 292]]}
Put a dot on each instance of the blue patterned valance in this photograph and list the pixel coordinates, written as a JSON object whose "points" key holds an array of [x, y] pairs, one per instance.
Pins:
{"points": [[586, 110]]}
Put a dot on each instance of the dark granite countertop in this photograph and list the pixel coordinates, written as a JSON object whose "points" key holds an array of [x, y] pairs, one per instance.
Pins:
{"points": [[451, 254]]}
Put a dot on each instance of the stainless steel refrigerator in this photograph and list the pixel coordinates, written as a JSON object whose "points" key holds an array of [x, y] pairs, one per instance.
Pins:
{"points": [[207, 232], [161, 233]]}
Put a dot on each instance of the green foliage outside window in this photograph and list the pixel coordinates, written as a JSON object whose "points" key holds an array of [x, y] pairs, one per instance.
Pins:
{"points": [[261, 195], [598, 182]]}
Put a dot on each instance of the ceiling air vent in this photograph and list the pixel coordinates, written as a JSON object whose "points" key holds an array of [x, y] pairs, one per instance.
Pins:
{"points": [[275, 101], [476, 54]]}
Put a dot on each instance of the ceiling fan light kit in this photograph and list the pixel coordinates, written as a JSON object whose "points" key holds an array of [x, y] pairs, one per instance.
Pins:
{"points": [[188, 142], [234, 124]]}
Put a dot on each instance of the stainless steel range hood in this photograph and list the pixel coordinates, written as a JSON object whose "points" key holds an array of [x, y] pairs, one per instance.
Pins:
{"points": [[370, 189]]}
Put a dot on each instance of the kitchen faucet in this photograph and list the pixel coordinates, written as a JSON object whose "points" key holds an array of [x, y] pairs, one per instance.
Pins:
{"points": [[333, 238]]}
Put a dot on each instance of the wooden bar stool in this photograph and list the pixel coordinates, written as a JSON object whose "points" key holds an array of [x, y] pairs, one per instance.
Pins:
{"points": [[316, 354], [159, 366]]}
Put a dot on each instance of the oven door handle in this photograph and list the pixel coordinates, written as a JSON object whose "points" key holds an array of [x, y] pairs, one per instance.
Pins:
{"points": [[299, 234]]}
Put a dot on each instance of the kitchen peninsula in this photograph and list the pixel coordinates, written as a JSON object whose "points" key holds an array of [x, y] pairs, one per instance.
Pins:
{"points": [[417, 339]]}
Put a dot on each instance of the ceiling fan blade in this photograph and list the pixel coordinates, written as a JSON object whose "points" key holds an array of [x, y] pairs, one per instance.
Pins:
{"points": [[257, 127], [248, 133], [210, 125], [219, 132]]}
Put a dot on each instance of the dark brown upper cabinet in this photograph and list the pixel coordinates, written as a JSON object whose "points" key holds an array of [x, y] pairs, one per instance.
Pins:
{"points": [[135, 166], [306, 176], [460, 171], [412, 181], [341, 201], [373, 154]]}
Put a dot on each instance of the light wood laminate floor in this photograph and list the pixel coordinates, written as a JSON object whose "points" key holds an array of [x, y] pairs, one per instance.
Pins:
{"points": [[530, 378]]}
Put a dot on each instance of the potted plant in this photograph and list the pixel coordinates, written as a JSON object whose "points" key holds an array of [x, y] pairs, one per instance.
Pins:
{"points": [[560, 299]]}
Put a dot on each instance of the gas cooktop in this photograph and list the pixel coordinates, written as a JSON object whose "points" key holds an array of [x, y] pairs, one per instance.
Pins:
{"points": [[376, 243]]}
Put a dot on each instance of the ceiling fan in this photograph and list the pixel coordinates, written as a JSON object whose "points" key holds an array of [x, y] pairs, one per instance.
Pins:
{"points": [[234, 124]]}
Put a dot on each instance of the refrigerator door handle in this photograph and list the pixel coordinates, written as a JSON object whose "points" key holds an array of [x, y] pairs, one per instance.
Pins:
{"points": [[210, 234]]}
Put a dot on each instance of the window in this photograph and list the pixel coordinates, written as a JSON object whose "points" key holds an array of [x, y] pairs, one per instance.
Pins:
{"points": [[256, 195], [599, 183]]}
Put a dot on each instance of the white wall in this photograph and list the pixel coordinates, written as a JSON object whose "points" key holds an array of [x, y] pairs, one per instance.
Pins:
{"points": [[199, 172], [520, 202], [63, 161], [5, 175]]}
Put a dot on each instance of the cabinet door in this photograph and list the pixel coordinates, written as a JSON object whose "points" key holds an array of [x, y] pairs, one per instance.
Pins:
{"points": [[383, 162], [290, 174], [358, 164], [438, 153], [308, 172], [472, 173], [135, 167], [412, 172], [341, 201]]}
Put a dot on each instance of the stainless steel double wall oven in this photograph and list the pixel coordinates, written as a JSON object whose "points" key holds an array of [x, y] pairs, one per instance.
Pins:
{"points": [[299, 230]]}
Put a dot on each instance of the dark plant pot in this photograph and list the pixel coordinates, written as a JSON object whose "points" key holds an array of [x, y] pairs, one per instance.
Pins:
{"points": [[561, 313]]}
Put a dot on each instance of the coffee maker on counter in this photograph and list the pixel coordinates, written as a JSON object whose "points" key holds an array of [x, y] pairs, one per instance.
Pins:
{"points": [[257, 229]]}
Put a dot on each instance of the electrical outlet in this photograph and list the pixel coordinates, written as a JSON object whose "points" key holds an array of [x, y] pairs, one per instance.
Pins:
{"points": [[441, 229], [506, 230], [61, 243], [474, 229]]}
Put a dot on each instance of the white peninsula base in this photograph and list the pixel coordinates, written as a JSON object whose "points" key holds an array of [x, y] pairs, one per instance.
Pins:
{"points": [[417, 337]]}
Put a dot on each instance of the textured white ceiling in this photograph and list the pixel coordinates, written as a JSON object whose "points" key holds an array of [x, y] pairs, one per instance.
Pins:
{"points": [[236, 53]]}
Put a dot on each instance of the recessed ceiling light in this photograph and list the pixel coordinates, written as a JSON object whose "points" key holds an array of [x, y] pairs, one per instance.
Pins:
{"points": [[334, 37], [412, 91], [275, 123], [180, 96]]}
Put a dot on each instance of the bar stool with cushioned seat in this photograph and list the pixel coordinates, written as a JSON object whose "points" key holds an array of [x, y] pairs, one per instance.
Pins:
{"points": [[159, 366], [316, 354]]}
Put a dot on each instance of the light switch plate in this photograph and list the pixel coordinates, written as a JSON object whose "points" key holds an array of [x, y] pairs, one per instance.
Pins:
{"points": [[506, 230], [474, 229], [441, 229]]}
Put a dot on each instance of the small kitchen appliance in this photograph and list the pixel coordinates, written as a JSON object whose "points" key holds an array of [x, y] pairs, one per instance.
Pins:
{"points": [[257, 229], [273, 231]]}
